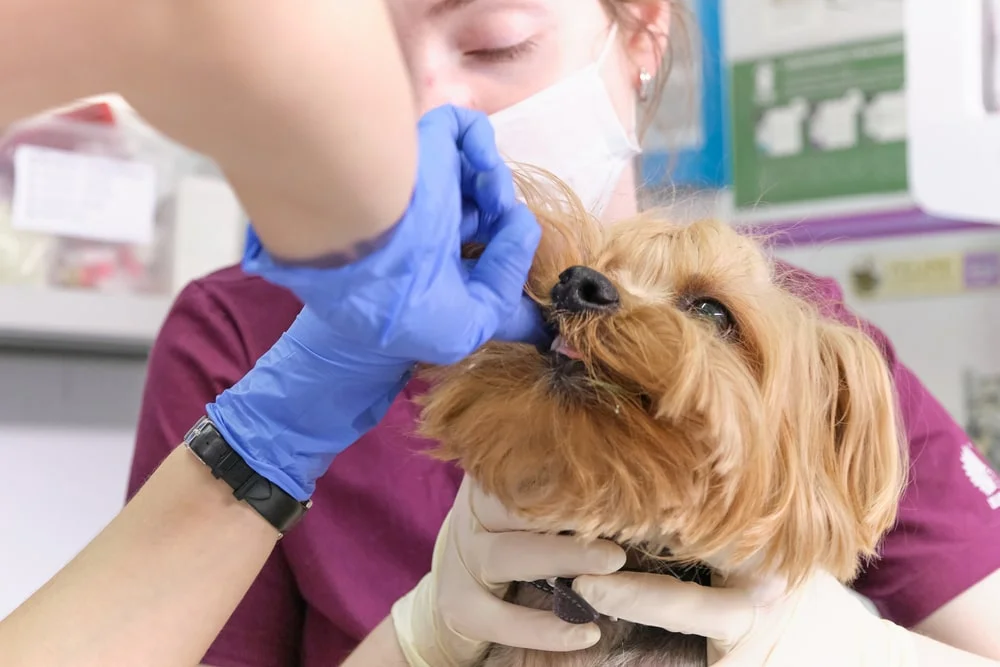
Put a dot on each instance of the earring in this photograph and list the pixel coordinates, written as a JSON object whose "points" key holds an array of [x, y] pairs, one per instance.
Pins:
{"points": [[645, 84]]}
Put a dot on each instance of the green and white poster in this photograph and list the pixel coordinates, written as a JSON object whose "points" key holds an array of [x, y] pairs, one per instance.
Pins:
{"points": [[819, 124]]}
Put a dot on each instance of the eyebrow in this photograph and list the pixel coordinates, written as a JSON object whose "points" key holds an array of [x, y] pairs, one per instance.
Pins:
{"points": [[447, 6]]}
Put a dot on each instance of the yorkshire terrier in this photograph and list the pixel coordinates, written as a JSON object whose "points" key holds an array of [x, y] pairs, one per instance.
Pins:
{"points": [[692, 407]]}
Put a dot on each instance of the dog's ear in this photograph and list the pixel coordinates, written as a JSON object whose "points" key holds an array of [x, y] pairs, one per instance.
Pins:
{"points": [[864, 458], [841, 460]]}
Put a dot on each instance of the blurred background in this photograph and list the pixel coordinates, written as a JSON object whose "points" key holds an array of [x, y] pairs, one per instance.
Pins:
{"points": [[786, 116]]}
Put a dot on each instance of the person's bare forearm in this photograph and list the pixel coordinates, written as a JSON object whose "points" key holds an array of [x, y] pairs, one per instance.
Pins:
{"points": [[305, 105], [54, 51], [379, 649], [155, 587], [970, 621], [932, 653]]}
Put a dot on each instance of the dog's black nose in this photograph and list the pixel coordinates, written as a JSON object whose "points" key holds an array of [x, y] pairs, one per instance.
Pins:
{"points": [[581, 289]]}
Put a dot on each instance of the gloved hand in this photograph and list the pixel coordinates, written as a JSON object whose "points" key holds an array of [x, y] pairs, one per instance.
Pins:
{"points": [[820, 623], [334, 374], [414, 299], [458, 608], [305, 401]]}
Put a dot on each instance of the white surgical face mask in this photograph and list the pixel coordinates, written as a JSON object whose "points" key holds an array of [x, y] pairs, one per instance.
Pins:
{"points": [[572, 130]]}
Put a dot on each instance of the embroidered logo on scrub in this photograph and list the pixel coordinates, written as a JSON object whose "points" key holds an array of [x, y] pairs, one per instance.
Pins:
{"points": [[981, 475]]}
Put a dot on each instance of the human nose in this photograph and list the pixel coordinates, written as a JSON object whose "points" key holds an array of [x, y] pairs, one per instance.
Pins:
{"points": [[437, 86]]}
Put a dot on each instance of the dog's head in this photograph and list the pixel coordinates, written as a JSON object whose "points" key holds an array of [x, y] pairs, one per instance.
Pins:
{"points": [[689, 402]]}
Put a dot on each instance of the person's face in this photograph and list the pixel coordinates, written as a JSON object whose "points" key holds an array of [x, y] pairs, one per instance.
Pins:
{"points": [[491, 54]]}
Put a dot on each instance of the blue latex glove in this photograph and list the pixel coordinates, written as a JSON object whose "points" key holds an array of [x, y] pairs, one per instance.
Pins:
{"points": [[414, 299], [304, 402], [333, 375]]}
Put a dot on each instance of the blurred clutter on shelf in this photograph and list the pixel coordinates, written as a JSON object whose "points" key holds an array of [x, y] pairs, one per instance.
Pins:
{"points": [[102, 220], [91, 197]]}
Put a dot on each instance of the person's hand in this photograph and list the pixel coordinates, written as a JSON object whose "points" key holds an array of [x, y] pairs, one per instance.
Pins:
{"points": [[305, 401], [413, 298], [458, 608], [820, 623], [335, 373]]}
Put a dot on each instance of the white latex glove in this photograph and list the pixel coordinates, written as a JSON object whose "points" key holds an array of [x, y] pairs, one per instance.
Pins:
{"points": [[457, 609], [820, 624]]}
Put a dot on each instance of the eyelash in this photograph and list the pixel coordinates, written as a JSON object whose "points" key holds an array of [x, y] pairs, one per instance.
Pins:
{"points": [[506, 54]]}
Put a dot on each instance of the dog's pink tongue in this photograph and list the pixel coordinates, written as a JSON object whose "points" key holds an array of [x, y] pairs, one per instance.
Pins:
{"points": [[562, 347]]}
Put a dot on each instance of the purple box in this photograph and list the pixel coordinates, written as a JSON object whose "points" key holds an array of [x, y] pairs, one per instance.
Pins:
{"points": [[982, 270]]}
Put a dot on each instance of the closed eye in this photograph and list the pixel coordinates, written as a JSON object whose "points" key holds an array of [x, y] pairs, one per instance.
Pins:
{"points": [[504, 54]]}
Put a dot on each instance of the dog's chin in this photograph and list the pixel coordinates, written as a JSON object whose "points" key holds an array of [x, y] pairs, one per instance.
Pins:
{"points": [[568, 377], [555, 438], [573, 380]]}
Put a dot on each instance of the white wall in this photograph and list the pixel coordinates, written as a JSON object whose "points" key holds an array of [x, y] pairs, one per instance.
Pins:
{"points": [[940, 337], [66, 430]]}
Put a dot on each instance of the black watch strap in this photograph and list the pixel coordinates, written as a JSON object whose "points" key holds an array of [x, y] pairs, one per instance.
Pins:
{"points": [[269, 500]]}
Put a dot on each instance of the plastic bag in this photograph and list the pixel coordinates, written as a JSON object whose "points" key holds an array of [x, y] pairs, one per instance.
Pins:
{"points": [[99, 128]]}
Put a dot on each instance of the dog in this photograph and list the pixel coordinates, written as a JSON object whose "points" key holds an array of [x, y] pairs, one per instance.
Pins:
{"points": [[692, 407]]}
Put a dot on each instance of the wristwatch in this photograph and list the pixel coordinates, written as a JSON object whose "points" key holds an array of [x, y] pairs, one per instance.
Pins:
{"points": [[269, 500]]}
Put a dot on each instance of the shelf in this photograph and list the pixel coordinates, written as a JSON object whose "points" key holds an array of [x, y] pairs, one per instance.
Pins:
{"points": [[37, 317]]}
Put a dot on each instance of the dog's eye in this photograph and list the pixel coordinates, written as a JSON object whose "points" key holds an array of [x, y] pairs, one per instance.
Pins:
{"points": [[714, 311]]}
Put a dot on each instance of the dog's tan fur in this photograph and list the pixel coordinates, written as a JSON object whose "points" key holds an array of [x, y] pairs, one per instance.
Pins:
{"points": [[771, 449]]}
